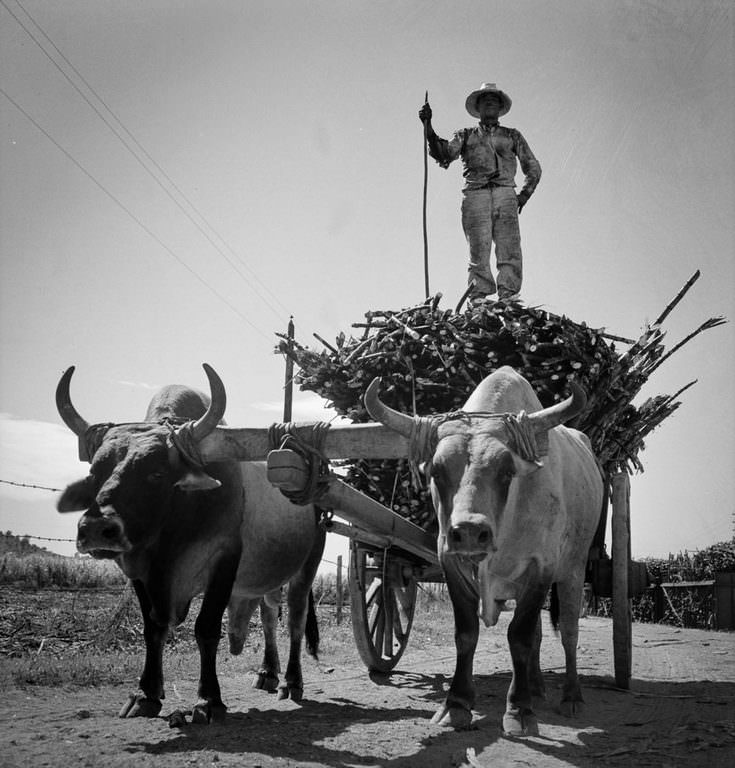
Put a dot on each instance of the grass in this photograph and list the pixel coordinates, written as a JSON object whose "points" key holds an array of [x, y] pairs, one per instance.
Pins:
{"points": [[48, 570], [91, 637]]}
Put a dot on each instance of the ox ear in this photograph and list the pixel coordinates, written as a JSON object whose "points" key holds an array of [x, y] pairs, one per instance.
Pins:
{"points": [[76, 497], [196, 480]]}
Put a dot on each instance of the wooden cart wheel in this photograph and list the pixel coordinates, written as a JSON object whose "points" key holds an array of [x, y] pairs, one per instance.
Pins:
{"points": [[382, 599], [621, 607]]}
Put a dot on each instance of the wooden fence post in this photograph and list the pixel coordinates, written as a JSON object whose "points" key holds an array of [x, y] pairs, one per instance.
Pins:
{"points": [[621, 606]]}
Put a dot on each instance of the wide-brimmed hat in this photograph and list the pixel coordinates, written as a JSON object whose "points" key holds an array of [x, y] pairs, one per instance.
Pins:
{"points": [[471, 103]]}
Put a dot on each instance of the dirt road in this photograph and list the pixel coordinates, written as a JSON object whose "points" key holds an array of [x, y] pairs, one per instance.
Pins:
{"points": [[680, 712]]}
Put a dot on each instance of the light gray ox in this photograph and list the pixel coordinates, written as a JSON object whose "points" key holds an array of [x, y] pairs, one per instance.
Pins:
{"points": [[518, 497]]}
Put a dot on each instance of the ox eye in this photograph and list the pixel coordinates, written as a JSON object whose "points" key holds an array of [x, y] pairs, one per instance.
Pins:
{"points": [[156, 477]]}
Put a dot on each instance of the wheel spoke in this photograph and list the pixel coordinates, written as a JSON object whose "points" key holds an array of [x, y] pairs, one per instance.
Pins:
{"points": [[404, 602], [400, 623], [379, 634], [374, 612], [372, 592]]}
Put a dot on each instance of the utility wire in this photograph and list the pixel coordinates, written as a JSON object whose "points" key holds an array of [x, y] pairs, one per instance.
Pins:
{"points": [[145, 228], [150, 159]]}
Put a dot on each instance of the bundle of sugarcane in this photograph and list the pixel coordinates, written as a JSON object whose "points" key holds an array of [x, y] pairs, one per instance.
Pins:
{"points": [[431, 359]]}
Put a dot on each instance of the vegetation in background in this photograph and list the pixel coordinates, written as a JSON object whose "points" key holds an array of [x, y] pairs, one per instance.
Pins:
{"points": [[48, 570], [54, 629], [690, 606]]}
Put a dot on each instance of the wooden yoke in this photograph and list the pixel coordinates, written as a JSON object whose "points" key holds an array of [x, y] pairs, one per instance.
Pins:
{"points": [[343, 441], [288, 471]]}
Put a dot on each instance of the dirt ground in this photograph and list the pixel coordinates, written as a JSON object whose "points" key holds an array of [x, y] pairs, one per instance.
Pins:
{"points": [[680, 711]]}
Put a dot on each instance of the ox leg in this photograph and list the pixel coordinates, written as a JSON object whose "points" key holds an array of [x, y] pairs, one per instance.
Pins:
{"points": [[267, 677], [207, 629], [536, 678], [456, 711], [302, 620], [523, 637], [240, 611], [147, 701], [570, 597]]}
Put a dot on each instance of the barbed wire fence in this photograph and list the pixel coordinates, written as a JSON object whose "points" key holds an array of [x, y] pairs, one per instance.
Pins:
{"points": [[58, 490]]}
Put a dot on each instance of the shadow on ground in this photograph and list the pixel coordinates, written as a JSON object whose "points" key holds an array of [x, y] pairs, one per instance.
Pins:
{"points": [[387, 723]]}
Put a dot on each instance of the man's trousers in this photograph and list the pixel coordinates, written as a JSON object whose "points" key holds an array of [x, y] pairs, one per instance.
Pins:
{"points": [[491, 215]]}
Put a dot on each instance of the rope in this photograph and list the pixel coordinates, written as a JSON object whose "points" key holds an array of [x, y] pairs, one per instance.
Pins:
{"points": [[282, 437], [182, 437], [522, 437]]}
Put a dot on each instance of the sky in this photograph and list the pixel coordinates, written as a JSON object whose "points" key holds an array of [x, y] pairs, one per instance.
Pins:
{"points": [[178, 178]]}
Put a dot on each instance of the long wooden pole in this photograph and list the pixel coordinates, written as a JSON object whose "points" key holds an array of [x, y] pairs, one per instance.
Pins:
{"points": [[288, 386], [426, 186]]}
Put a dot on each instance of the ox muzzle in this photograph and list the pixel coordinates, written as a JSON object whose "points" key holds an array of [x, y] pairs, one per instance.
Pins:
{"points": [[469, 538], [102, 535]]}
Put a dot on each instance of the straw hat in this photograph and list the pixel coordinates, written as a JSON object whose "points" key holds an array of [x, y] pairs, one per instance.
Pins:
{"points": [[471, 103]]}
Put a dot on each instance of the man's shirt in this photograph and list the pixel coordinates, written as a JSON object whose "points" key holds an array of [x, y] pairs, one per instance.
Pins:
{"points": [[490, 156]]}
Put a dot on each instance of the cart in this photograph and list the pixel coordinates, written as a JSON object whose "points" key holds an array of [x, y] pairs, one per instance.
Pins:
{"points": [[390, 555]]}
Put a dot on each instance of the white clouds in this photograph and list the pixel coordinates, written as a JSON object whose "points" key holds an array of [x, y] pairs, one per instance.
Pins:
{"points": [[36, 453], [42, 454], [140, 385], [306, 407]]}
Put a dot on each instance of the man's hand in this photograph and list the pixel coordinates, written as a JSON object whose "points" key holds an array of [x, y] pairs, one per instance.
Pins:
{"points": [[522, 200], [425, 113]]}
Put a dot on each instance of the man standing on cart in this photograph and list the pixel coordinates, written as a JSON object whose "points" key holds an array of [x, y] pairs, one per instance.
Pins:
{"points": [[490, 206]]}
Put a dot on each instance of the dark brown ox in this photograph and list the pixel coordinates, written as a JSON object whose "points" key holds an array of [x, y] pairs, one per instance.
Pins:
{"points": [[177, 529], [518, 497]]}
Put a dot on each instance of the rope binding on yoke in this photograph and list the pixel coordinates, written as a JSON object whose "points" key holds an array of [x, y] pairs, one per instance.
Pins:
{"points": [[521, 436], [282, 436]]}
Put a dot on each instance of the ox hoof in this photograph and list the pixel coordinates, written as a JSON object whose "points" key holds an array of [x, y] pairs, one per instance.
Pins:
{"points": [[571, 708], [453, 717], [177, 719], [520, 722], [237, 643], [206, 712], [266, 681], [139, 705], [293, 692]]}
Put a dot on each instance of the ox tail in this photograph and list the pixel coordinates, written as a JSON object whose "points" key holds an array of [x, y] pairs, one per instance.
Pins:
{"points": [[312, 629], [554, 607]]}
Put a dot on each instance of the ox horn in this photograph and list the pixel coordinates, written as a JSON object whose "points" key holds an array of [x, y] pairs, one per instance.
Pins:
{"points": [[379, 411], [206, 424], [551, 417], [65, 408]]}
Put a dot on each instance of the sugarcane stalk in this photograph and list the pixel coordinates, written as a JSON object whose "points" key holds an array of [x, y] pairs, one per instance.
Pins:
{"points": [[679, 296]]}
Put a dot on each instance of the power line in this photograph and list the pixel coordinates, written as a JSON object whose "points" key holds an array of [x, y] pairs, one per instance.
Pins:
{"points": [[145, 228], [147, 155]]}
